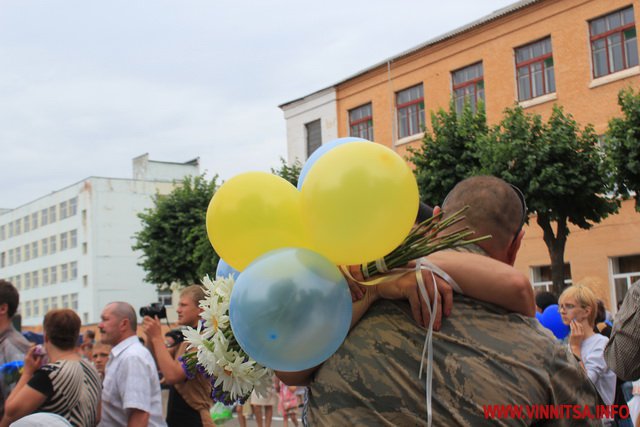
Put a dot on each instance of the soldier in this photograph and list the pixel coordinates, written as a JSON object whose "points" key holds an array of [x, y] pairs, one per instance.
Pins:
{"points": [[483, 355]]}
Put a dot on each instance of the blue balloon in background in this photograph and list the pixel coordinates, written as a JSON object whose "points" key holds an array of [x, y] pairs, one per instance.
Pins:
{"points": [[290, 309], [320, 152], [224, 270], [539, 316], [552, 320]]}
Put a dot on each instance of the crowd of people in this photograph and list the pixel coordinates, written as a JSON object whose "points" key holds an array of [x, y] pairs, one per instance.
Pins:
{"points": [[487, 349]]}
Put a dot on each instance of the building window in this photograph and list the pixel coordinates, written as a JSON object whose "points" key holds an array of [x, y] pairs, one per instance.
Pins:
{"points": [[361, 122], [27, 223], [18, 252], [64, 273], [73, 206], [85, 280], [410, 107], [45, 246], [84, 248], [35, 276], [45, 277], [626, 270], [54, 302], [165, 297], [3, 259], [27, 280], [73, 238], [534, 69], [614, 45], [52, 214], [53, 274], [63, 241], [27, 309], [34, 250], [74, 270], [53, 244], [27, 252], [541, 277], [63, 210], [18, 282], [468, 86], [11, 260], [45, 305], [74, 302], [65, 301], [2, 232], [36, 308], [314, 136], [84, 217], [44, 216], [18, 226], [34, 220]]}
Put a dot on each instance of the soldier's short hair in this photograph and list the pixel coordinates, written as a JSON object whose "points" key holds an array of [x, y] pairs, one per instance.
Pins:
{"points": [[495, 208]]}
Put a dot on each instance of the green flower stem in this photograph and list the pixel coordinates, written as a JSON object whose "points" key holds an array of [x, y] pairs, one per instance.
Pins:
{"points": [[426, 238]]}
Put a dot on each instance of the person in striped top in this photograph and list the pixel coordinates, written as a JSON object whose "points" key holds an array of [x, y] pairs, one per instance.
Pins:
{"points": [[67, 386]]}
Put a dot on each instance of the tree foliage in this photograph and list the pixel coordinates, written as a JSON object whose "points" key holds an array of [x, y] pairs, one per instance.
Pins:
{"points": [[290, 173], [448, 154], [623, 145], [559, 167], [173, 239]]}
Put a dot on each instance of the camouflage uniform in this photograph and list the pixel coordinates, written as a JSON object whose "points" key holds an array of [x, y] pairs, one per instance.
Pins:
{"points": [[483, 355]]}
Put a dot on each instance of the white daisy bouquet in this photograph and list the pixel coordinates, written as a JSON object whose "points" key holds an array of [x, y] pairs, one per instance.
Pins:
{"points": [[217, 355]]}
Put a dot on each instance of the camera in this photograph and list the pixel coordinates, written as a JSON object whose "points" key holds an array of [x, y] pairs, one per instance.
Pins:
{"points": [[154, 309]]}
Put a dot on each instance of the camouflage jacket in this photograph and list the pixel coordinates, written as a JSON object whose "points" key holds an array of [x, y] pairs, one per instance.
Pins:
{"points": [[483, 355]]}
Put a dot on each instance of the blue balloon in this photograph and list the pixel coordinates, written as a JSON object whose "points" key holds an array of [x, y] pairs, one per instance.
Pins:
{"points": [[320, 152], [539, 316], [224, 270], [552, 320], [290, 309]]}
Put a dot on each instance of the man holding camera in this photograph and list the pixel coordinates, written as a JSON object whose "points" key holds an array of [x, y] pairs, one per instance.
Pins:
{"points": [[189, 398]]}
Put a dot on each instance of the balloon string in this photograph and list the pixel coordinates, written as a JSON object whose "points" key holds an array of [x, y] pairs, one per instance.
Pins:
{"points": [[428, 342]]}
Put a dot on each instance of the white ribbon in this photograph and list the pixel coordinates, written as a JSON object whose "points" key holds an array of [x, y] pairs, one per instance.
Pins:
{"points": [[428, 342]]}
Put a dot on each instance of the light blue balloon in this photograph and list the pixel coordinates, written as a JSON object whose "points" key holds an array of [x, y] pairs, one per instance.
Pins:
{"points": [[552, 320], [320, 152], [290, 309], [224, 270]]}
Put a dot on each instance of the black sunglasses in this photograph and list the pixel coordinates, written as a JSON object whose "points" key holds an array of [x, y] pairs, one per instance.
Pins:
{"points": [[523, 205]]}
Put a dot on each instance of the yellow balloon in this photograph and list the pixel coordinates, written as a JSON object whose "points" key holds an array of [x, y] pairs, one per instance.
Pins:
{"points": [[359, 202], [252, 214]]}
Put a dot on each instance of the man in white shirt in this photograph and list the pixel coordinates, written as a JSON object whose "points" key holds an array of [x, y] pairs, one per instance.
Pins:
{"points": [[131, 390]]}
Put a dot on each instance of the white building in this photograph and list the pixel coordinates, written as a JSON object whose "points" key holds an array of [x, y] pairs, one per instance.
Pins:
{"points": [[72, 248], [311, 122]]}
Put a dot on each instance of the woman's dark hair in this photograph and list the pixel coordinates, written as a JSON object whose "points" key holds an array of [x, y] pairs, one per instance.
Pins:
{"points": [[424, 212], [601, 314], [62, 328], [544, 299]]}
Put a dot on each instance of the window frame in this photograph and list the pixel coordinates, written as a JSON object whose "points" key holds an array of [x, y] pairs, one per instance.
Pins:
{"points": [[605, 35], [529, 63], [363, 125], [414, 108], [468, 83]]}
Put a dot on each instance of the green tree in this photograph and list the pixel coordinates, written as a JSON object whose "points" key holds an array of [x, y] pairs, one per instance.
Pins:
{"points": [[448, 154], [623, 145], [173, 239], [290, 173], [560, 169]]}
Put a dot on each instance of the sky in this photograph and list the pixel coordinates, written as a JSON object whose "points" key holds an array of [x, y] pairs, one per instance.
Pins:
{"points": [[86, 86]]}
